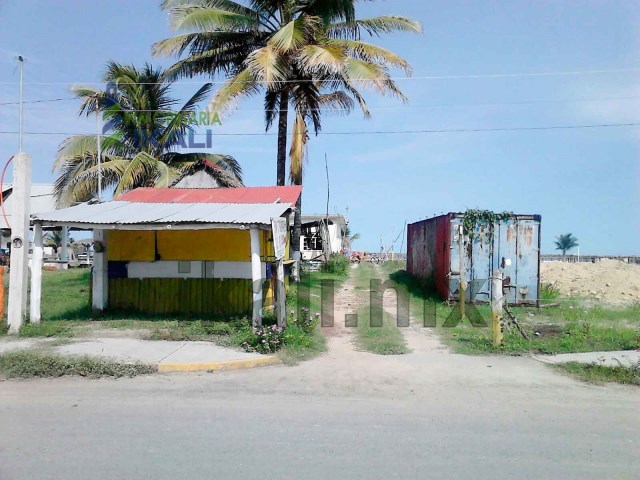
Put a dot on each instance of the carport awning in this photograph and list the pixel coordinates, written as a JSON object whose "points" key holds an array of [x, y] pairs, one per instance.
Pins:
{"points": [[134, 215]]}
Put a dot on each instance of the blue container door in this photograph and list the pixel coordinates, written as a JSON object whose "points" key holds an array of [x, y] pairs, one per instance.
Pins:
{"points": [[527, 261]]}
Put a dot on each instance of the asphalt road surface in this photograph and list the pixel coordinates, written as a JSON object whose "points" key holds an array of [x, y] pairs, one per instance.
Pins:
{"points": [[347, 415]]}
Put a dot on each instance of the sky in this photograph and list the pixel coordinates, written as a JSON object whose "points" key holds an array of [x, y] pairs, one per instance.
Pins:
{"points": [[471, 71]]}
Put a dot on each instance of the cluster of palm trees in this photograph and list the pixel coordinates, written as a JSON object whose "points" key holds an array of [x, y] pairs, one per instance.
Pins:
{"points": [[302, 56]]}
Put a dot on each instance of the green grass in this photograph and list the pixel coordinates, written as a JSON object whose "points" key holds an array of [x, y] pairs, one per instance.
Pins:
{"points": [[568, 327], [300, 345], [386, 339], [601, 374], [66, 312], [66, 294], [29, 364]]}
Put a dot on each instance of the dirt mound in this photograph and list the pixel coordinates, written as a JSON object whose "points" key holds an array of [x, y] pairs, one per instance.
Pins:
{"points": [[611, 282]]}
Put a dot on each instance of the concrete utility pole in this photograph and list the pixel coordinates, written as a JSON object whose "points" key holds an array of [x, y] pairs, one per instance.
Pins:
{"points": [[19, 270]]}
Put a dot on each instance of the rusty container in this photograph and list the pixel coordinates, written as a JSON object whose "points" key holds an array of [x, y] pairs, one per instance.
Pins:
{"points": [[512, 246]]}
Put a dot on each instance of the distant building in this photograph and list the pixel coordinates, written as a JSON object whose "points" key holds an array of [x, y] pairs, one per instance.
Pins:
{"points": [[42, 200], [322, 236]]}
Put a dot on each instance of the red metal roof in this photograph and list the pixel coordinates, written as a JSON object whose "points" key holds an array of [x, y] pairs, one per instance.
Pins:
{"points": [[288, 195]]}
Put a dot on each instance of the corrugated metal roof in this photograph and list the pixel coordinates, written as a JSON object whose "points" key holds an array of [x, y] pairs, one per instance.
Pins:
{"points": [[255, 195], [134, 213]]}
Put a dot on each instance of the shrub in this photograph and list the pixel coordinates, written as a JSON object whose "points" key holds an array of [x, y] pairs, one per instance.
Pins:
{"points": [[264, 340], [297, 338], [337, 265], [304, 321], [549, 291]]}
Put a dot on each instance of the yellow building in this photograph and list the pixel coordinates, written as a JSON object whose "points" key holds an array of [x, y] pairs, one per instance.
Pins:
{"points": [[184, 251]]}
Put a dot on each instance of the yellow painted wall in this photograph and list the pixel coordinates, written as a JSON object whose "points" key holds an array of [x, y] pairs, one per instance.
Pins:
{"points": [[221, 245], [129, 245], [187, 296], [228, 245]]}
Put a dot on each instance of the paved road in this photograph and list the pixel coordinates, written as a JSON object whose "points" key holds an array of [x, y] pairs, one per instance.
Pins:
{"points": [[345, 415], [216, 426]]}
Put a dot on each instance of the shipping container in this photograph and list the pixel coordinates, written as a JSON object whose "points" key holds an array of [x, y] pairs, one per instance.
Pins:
{"points": [[513, 245]]}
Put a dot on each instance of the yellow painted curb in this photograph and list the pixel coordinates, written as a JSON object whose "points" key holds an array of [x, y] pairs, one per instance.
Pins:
{"points": [[227, 365]]}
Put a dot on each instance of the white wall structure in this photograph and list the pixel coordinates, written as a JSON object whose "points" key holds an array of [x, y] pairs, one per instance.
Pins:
{"points": [[19, 270], [256, 272], [36, 274], [100, 272], [193, 269]]}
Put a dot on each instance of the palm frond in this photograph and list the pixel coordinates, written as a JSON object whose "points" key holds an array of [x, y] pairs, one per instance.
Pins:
{"points": [[227, 96], [373, 26], [266, 65]]}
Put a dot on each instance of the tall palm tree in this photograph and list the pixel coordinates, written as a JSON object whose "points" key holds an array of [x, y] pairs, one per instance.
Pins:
{"points": [[141, 138], [307, 54], [566, 242]]}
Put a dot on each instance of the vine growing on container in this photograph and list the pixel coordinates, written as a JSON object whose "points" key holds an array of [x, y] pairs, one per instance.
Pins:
{"points": [[473, 218]]}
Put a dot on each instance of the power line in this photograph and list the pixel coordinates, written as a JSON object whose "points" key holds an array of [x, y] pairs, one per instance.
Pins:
{"points": [[381, 132], [422, 77], [48, 100], [384, 107]]}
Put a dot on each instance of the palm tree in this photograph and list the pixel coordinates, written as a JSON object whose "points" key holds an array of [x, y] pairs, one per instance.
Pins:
{"points": [[54, 240], [349, 238], [142, 137], [305, 53], [565, 243]]}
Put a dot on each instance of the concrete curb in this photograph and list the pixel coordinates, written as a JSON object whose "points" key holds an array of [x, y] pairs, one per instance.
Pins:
{"points": [[166, 367]]}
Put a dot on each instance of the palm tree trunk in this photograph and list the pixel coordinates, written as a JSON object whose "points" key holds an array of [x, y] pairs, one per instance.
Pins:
{"points": [[295, 238], [282, 138]]}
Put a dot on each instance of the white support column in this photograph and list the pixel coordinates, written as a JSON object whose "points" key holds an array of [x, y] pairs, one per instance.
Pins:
{"points": [[64, 248], [281, 295], [36, 274], [100, 272], [256, 277], [19, 271]]}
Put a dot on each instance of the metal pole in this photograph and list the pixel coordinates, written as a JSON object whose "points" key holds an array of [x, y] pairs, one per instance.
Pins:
{"points": [[99, 140], [463, 284], [497, 300]]}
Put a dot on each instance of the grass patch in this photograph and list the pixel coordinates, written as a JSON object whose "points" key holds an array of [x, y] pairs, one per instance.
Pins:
{"points": [[28, 364], [384, 339], [336, 265], [300, 343], [49, 329], [566, 328], [66, 294], [601, 374]]}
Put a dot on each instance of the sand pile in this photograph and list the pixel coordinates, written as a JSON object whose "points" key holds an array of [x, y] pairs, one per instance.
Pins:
{"points": [[611, 282]]}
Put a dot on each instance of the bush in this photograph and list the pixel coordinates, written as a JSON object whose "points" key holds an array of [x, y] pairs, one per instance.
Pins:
{"points": [[264, 340], [549, 291], [297, 338], [25, 364], [337, 265], [304, 321]]}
